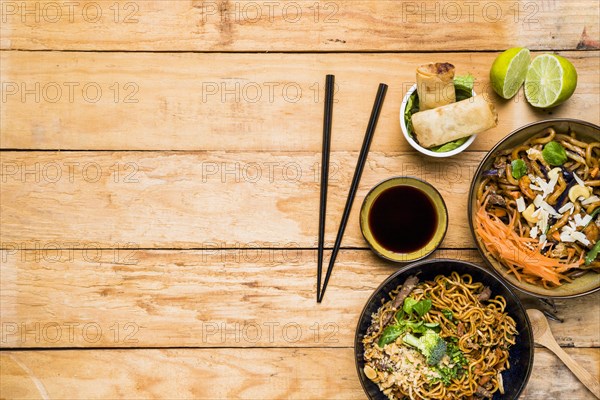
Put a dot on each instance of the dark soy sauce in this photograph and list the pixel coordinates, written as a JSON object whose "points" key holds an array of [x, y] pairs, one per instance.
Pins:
{"points": [[403, 219]]}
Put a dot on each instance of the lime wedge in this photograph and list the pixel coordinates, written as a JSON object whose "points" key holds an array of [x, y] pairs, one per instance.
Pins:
{"points": [[509, 70], [550, 81]]}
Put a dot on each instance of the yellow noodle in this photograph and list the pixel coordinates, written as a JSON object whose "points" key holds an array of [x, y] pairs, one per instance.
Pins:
{"points": [[563, 259], [488, 332]]}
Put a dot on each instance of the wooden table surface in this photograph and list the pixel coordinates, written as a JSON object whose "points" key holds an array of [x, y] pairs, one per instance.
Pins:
{"points": [[160, 186]]}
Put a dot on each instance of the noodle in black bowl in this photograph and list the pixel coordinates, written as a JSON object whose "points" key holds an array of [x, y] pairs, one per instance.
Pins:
{"points": [[520, 354]]}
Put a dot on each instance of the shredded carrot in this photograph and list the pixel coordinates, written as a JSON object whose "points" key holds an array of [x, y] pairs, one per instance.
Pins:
{"points": [[571, 253], [499, 212], [556, 236], [515, 194], [521, 255]]}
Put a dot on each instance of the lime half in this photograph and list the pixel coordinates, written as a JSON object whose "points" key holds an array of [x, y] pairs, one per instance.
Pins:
{"points": [[550, 81], [509, 70]]}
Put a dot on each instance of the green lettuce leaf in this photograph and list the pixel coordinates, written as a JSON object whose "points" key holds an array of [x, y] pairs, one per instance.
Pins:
{"points": [[409, 303], [390, 334], [464, 82], [450, 145], [412, 107], [422, 307]]}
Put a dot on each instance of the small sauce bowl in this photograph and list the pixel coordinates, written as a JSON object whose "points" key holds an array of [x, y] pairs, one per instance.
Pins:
{"points": [[403, 219]]}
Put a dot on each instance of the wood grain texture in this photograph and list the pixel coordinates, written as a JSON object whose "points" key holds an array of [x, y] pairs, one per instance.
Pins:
{"points": [[543, 336], [233, 298], [292, 374], [204, 199], [323, 25], [242, 102], [231, 149]]}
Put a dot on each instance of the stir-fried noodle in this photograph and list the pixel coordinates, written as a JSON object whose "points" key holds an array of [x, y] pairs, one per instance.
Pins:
{"points": [[538, 208], [476, 331]]}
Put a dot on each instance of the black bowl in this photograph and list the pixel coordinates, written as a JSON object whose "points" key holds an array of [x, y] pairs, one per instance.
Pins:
{"points": [[521, 354]]}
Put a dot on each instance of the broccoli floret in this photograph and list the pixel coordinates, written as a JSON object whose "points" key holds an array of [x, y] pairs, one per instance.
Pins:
{"points": [[431, 345]]}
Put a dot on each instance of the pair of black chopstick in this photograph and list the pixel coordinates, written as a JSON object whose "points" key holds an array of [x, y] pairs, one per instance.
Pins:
{"points": [[360, 165]]}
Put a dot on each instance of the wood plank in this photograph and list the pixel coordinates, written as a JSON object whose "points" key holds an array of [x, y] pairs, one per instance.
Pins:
{"points": [[324, 25], [203, 199], [234, 298], [242, 102], [293, 374]]}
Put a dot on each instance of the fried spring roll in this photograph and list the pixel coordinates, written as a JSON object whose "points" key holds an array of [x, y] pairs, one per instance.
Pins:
{"points": [[454, 121], [435, 85]]}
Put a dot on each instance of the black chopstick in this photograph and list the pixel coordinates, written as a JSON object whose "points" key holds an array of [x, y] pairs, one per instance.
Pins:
{"points": [[327, 119], [360, 165]]}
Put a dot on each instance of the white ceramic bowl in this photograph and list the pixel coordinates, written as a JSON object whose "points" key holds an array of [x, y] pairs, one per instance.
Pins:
{"points": [[416, 145]]}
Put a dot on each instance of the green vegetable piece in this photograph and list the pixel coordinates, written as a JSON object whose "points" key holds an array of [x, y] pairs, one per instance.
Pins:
{"points": [[464, 82], [593, 253], [457, 355], [450, 145], [416, 327], [399, 315], [448, 314], [519, 168], [431, 345], [435, 327], [412, 107], [409, 303], [554, 154], [410, 104], [447, 373], [390, 334], [422, 307]]}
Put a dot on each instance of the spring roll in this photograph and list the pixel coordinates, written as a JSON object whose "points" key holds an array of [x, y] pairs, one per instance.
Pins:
{"points": [[454, 121], [435, 85]]}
